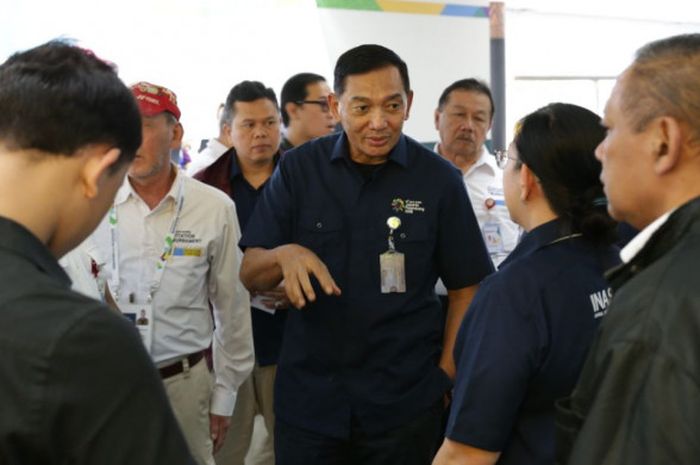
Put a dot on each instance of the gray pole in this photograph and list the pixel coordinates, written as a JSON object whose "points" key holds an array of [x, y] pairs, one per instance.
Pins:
{"points": [[498, 74]]}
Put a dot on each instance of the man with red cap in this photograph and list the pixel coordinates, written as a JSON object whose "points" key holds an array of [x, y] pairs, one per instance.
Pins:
{"points": [[171, 244]]}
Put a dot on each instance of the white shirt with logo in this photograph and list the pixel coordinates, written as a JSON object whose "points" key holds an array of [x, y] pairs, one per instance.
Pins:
{"points": [[484, 183], [203, 267]]}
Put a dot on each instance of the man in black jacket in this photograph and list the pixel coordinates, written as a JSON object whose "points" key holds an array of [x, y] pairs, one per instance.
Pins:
{"points": [[638, 398], [76, 384]]}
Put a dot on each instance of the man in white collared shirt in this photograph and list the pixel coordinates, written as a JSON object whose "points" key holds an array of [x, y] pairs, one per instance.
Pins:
{"points": [[216, 147], [172, 248], [463, 118]]}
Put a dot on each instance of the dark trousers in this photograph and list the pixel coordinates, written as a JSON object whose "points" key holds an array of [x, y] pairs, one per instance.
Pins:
{"points": [[410, 444]]}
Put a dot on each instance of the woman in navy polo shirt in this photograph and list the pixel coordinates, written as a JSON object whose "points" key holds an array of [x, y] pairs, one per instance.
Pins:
{"points": [[528, 329]]}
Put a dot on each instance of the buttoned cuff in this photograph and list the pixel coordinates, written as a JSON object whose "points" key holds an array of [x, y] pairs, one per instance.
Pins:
{"points": [[222, 402]]}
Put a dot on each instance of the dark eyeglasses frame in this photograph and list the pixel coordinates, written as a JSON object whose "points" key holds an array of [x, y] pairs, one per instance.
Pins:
{"points": [[502, 158], [321, 103]]}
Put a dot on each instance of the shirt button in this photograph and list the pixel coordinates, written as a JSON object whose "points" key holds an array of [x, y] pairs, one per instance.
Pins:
{"points": [[319, 225], [402, 235]]}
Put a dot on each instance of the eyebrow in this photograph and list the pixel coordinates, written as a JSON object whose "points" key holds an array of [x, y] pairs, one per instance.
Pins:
{"points": [[367, 99]]}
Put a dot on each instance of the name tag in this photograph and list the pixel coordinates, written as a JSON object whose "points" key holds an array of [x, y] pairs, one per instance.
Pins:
{"points": [[186, 252]]}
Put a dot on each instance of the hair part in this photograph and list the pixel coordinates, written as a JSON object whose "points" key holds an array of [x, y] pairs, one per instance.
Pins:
{"points": [[366, 58], [557, 143], [663, 81], [295, 90], [57, 98], [468, 85], [245, 91]]}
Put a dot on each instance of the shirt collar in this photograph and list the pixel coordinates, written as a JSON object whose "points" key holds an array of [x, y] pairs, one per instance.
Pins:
{"points": [[640, 240], [398, 154], [485, 159], [20, 241], [537, 238], [215, 146], [236, 167], [127, 190]]}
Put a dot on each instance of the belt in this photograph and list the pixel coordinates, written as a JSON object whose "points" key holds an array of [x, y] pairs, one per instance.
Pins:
{"points": [[178, 367]]}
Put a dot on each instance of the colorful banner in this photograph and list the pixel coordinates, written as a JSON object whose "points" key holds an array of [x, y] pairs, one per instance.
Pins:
{"points": [[399, 6]]}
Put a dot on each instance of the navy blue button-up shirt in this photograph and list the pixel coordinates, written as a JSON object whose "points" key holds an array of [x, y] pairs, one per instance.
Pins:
{"points": [[523, 343], [267, 328], [366, 355]]}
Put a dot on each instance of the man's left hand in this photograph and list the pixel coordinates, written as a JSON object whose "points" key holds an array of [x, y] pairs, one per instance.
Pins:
{"points": [[218, 426]]}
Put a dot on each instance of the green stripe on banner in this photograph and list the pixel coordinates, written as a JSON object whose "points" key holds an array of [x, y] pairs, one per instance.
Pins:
{"points": [[370, 5]]}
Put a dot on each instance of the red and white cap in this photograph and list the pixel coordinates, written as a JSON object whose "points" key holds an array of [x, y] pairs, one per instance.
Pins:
{"points": [[154, 99]]}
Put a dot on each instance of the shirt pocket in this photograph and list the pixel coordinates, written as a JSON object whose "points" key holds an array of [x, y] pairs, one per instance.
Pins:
{"points": [[321, 231], [187, 270]]}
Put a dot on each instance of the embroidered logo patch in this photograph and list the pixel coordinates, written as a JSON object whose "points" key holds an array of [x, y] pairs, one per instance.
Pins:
{"points": [[407, 206]]}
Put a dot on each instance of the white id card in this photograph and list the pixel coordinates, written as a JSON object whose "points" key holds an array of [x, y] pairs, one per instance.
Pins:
{"points": [[141, 315], [392, 272], [493, 238]]}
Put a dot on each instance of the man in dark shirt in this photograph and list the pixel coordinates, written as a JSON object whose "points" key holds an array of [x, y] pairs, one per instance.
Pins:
{"points": [[252, 116], [76, 385], [305, 110], [360, 225]]}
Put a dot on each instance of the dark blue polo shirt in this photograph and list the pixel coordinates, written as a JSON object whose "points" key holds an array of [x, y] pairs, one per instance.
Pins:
{"points": [[364, 355], [523, 343], [267, 328]]}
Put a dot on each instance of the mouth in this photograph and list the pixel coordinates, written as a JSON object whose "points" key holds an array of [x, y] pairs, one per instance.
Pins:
{"points": [[261, 147], [377, 141]]}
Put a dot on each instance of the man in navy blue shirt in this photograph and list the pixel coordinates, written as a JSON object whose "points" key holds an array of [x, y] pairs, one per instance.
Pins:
{"points": [[252, 114], [359, 226]]}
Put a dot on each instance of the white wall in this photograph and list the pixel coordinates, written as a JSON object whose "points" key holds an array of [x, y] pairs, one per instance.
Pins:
{"points": [[201, 48], [565, 45]]}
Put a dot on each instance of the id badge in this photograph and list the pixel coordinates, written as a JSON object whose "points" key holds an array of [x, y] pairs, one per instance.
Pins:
{"points": [[141, 316], [493, 238], [392, 272]]}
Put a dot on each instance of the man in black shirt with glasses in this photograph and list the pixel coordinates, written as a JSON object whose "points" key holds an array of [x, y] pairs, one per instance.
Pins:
{"points": [[305, 111]]}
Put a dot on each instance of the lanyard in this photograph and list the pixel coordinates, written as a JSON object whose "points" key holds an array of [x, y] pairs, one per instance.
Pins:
{"points": [[564, 238], [162, 260]]}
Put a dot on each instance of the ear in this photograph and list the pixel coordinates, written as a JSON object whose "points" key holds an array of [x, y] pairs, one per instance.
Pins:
{"points": [[437, 119], [292, 110], [178, 132], [528, 183], [225, 137], [334, 105], [409, 101], [99, 160], [667, 140]]}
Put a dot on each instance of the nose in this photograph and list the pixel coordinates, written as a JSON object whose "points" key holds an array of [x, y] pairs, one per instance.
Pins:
{"points": [[377, 119], [600, 150], [259, 131], [468, 124]]}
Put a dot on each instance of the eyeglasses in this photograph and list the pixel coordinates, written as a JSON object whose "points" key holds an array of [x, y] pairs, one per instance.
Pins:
{"points": [[321, 103], [502, 158]]}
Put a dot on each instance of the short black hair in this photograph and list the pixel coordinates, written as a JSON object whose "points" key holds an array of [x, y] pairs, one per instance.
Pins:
{"points": [[470, 85], [294, 90], [366, 58], [558, 143], [246, 91], [58, 98]]}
